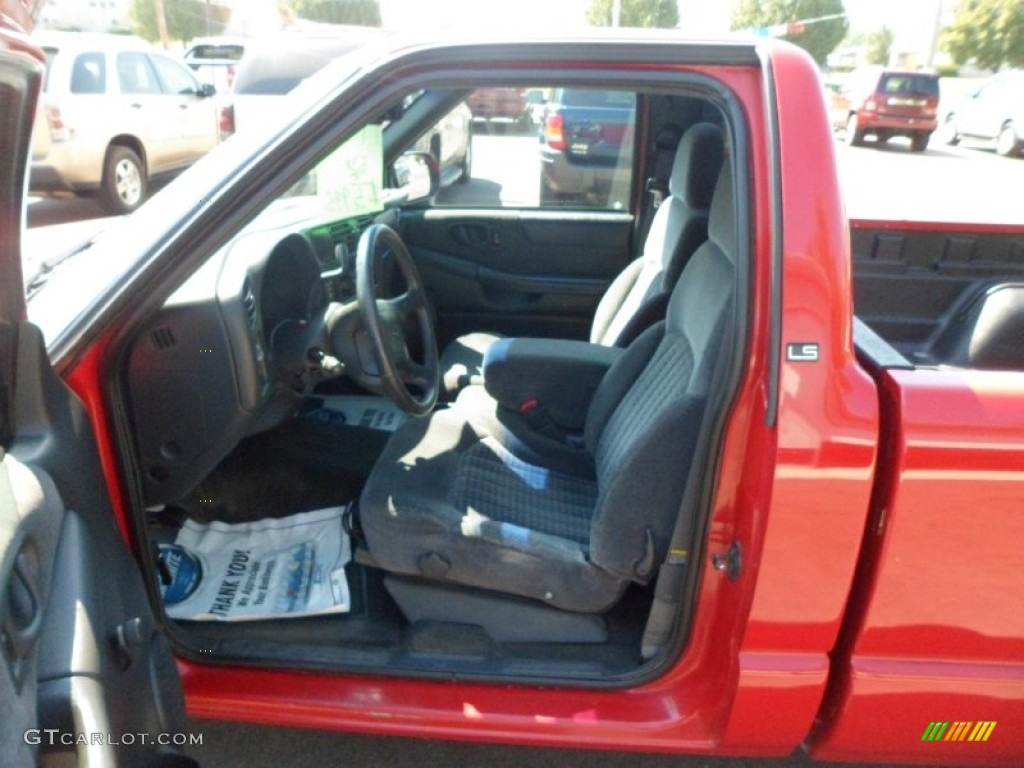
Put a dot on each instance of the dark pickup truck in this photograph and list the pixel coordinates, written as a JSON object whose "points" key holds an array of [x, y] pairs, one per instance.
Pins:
{"points": [[587, 134]]}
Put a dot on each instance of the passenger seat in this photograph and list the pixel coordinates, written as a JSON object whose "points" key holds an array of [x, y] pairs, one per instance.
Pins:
{"points": [[636, 298]]}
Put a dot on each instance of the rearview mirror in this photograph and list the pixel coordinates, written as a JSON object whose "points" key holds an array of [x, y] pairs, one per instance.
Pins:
{"points": [[206, 90]]}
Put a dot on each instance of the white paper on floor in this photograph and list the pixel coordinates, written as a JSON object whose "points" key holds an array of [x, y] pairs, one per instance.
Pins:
{"points": [[372, 412], [272, 568]]}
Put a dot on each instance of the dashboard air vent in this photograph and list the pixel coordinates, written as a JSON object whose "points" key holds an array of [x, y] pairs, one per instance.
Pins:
{"points": [[348, 232], [163, 338]]}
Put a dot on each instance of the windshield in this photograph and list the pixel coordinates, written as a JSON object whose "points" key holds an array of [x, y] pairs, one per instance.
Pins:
{"points": [[71, 284], [348, 182], [222, 52]]}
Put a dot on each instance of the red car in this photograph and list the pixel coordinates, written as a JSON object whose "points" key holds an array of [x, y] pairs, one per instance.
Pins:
{"points": [[740, 520], [887, 102]]}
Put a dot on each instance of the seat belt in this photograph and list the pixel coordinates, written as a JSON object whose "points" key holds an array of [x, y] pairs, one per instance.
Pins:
{"points": [[665, 144], [673, 573]]}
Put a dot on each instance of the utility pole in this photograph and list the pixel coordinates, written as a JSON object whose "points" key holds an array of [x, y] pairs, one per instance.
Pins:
{"points": [[616, 12], [161, 23], [933, 46]]}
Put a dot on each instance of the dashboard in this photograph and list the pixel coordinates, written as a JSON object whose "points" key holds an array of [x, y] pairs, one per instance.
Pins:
{"points": [[206, 370]]}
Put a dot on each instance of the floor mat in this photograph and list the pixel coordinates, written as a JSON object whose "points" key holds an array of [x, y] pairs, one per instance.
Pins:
{"points": [[297, 467]]}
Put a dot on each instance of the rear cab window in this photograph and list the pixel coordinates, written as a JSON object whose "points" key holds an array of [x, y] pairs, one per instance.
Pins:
{"points": [[221, 52], [918, 84]]}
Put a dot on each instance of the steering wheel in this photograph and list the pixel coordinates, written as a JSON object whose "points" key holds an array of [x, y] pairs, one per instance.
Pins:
{"points": [[410, 377]]}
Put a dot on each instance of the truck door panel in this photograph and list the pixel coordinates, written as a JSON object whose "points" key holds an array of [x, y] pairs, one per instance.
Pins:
{"points": [[103, 666], [517, 272]]}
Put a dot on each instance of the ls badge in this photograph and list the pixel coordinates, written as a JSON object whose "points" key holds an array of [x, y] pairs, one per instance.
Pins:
{"points": [[802, 352]]}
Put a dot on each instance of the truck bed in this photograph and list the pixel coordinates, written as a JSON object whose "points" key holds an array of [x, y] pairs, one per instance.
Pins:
{"points": [[942, 295]]}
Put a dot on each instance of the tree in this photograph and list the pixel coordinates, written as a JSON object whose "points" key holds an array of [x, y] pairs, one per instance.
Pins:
{"points": [[818, 38], [186, 19], [663, 14], [365, 13], [879, 46], [988, 32]]}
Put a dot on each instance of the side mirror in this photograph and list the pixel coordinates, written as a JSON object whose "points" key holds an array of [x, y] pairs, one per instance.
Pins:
{"points": [[417, 175], [206, 90]]}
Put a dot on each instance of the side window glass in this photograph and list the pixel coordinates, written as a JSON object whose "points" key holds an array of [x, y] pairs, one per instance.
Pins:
{"points": [[537, 147], [992, 90], [175, 78], [135, 75], [89, 74]]}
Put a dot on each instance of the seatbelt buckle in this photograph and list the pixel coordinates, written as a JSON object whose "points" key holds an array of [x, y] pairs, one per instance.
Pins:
{"points": [[539, 419]]}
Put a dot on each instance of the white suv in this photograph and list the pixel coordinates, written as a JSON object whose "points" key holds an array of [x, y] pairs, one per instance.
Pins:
{"points": [[114, 113]]}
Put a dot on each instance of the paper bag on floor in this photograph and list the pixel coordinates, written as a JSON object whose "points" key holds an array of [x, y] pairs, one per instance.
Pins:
{"points": [[271, 568]]}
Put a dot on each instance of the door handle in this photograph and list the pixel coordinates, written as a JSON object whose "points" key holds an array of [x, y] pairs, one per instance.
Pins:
{"points": [[135, 105], [475, 235]]}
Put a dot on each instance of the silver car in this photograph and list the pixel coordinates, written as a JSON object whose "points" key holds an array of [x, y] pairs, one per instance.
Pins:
{"points": [[114, 113], [993, 114]]}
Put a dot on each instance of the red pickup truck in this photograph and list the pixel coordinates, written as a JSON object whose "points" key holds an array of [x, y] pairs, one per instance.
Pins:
{"points": [[775, 509], [499, 107]]}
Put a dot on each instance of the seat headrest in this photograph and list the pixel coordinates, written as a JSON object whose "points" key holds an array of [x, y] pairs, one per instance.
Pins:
{"points": [[668, 137], [696, 165]]}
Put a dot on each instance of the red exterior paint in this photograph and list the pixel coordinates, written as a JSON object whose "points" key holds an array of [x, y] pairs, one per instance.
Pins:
{"points": [[86, 380], [827, 432], [979, 228], [939, 630], [17, 18]]}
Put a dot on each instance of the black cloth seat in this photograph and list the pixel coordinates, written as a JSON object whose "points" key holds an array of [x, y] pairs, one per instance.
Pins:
{"points": [[463, 497], [636, 299]]}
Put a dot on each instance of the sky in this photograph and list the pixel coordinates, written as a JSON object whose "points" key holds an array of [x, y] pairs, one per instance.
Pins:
{"points": [[911, 20]]}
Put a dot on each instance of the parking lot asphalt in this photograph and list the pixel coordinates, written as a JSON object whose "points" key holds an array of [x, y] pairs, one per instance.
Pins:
{"points": [[227, 745]]}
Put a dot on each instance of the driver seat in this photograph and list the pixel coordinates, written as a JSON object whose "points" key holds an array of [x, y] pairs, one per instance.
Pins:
{"points": [[464, 497]]}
